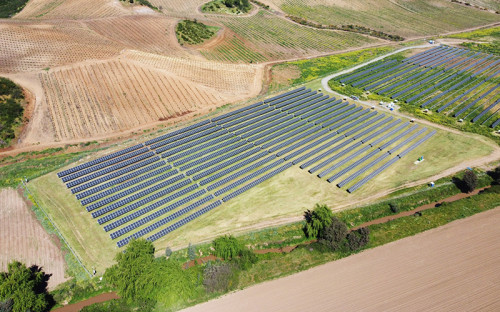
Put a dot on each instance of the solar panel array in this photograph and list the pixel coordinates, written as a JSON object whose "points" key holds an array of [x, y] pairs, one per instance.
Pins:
{"points": [[153, 188], [455, 81]]}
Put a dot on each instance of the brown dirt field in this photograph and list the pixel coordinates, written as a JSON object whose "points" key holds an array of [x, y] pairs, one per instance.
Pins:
{"points": [[33, 46], [73, 9], [23, 238], [450, 268], [75, 307]]}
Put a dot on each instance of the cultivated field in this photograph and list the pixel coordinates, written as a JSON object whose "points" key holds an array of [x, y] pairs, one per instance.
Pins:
{"points": [[450, 268], [71, 9], [405, 18], [180, 8], [23, 238], [95, 100], [275, 38], [148, 33], [33, 46]]}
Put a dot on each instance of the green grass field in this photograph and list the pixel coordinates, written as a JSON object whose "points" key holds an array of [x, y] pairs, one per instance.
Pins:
{"points": [[280, 199]]}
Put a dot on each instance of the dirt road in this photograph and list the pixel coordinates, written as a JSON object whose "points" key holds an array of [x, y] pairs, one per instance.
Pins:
{"points": [[451, 268]]}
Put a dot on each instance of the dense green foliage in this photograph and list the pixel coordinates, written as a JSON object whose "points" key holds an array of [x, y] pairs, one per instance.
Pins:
{"points": [[11, 110], [9, 8], [11, 174], [358, 239], [193, 32], [227, 6], [26, 287], [317, 221], [140, 278], [227, 247], [333, 235], [470, 181]]}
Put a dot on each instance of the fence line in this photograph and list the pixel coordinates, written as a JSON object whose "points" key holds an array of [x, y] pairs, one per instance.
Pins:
{"points": [[57, 229]]}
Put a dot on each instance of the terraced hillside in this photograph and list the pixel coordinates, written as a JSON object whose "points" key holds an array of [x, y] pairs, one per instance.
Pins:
{"points": [[407, 18], [272, 38]]}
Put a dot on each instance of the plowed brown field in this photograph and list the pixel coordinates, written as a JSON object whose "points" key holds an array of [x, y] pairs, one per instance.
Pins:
{"points": [[30, 46], [450, 268], [22, 238], [75, 9], [94, 100]]}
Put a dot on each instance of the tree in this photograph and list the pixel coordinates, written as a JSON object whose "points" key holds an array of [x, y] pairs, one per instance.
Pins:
{"points": [[394, 207], [358, 239], [227, 247], [131, 264], [24, 289], [334, 234], [317, 220], [469, 181]]}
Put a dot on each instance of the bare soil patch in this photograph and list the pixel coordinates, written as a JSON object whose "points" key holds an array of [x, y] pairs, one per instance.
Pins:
{"points": [[75, 307], [450, 268], [23, 238]]}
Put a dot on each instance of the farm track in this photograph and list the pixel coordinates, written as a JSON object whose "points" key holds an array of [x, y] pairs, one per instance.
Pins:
{"points": [[23, 238], [449, 268]]}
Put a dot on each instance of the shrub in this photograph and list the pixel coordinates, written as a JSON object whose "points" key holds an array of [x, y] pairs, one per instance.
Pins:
{"points": [[334, 234], [317, 220], [470, 181], [358, 239], [168, 252], [246, 259], [227, 247], [219, 277], [191, 252], [394, 207]]}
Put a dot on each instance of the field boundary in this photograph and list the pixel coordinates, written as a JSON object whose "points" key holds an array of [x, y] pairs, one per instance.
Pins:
{"points": [[25, 187]]}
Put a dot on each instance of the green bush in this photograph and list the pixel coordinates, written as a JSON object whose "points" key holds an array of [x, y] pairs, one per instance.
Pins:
{"points": [[334, 235], [317, 221], [193, 32], [24, 289], [394, 207], [227, 247], [470, 181], [358, 239], [219, 277], [11, 7], [11, 110]]}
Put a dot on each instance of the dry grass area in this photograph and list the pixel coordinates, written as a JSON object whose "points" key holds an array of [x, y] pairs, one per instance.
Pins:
{"points": [[450, 268], [23, 238]]}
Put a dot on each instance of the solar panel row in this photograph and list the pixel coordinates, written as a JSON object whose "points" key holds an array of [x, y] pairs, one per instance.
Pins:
{"points": [[116, 174], [109, 169], [176, 132], [104, 165], [121, 179], [132, 207], [99, 160]]}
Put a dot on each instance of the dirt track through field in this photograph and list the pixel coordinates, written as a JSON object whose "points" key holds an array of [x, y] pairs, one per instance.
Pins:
{"points": [[450, 268], [22, 238]]}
